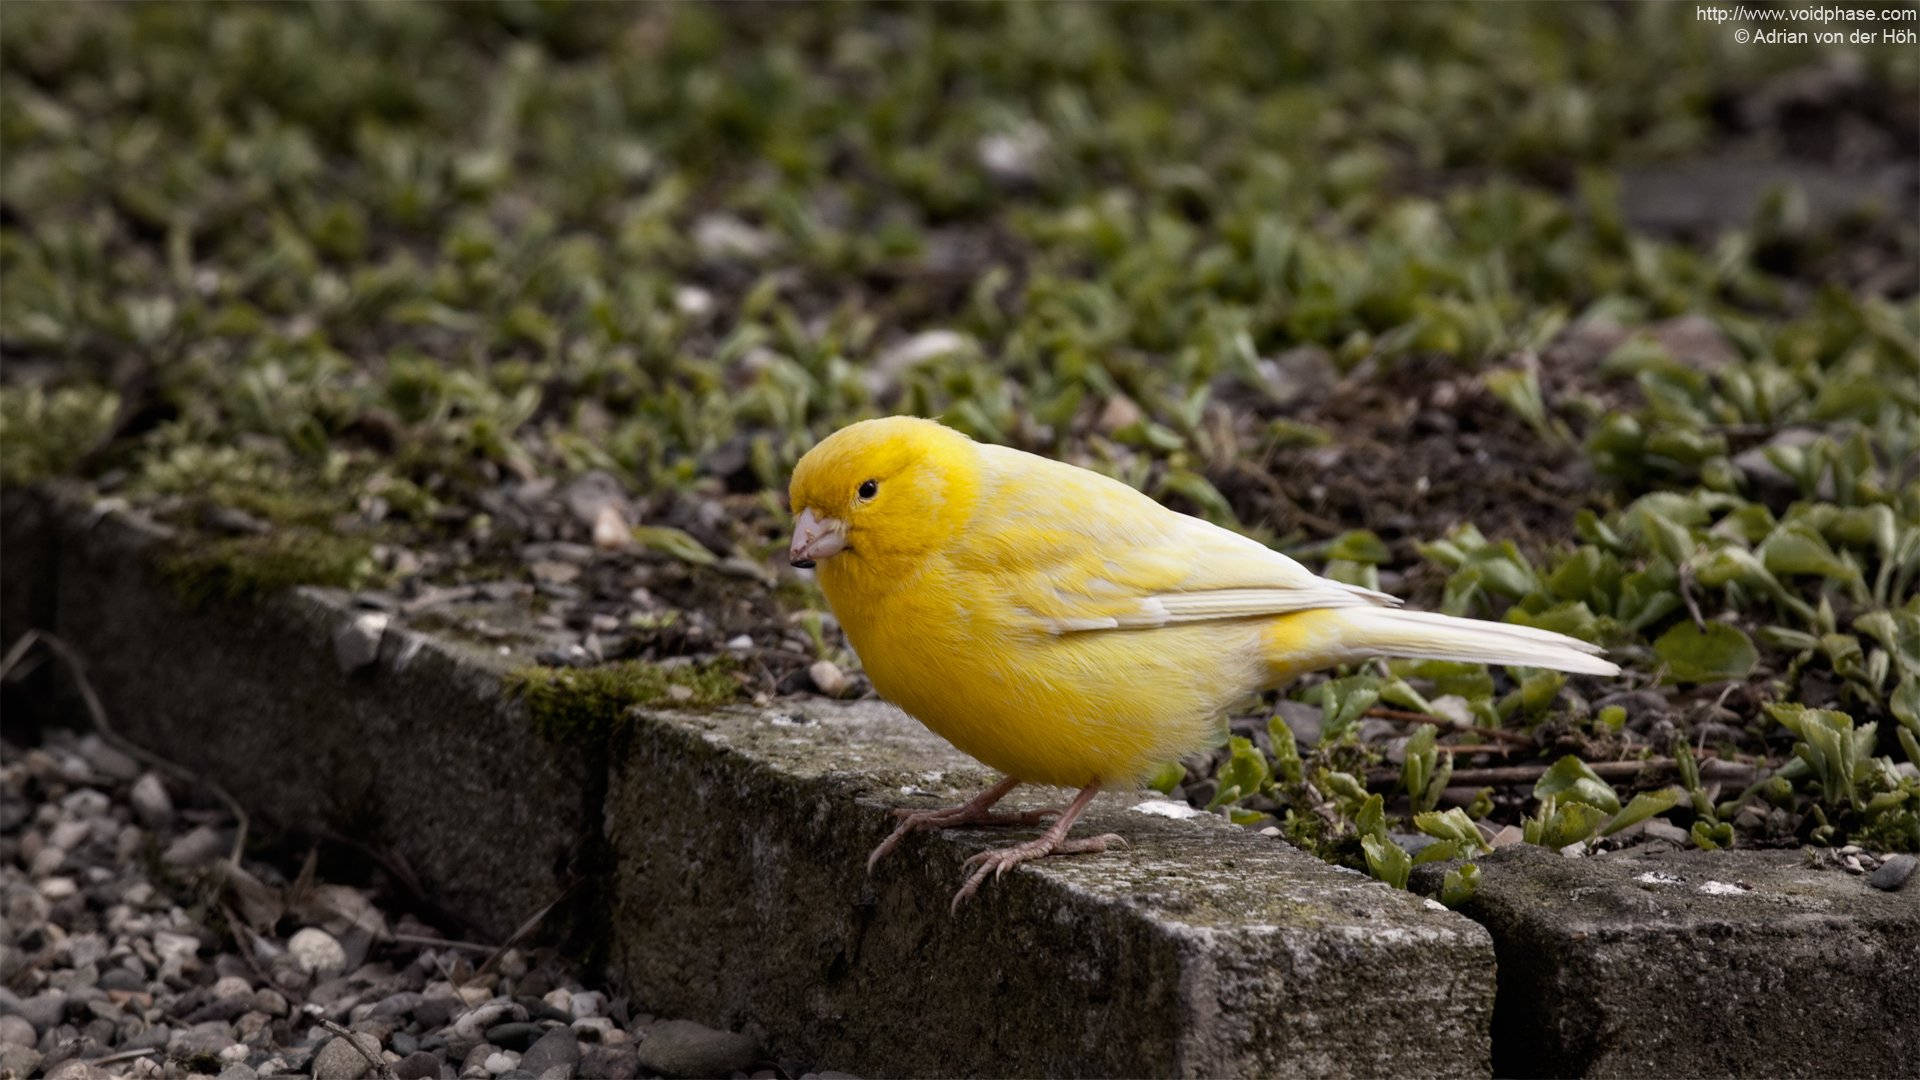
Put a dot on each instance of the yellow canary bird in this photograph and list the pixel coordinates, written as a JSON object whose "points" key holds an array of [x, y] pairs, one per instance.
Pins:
{"points": [[1064, 628]]}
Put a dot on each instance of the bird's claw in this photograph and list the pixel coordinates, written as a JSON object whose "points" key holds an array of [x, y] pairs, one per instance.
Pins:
{"points": [[912, 821], [996, 862]]}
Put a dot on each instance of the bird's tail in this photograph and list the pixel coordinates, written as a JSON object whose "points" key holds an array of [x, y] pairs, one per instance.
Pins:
{"points": [[1343, 635]]}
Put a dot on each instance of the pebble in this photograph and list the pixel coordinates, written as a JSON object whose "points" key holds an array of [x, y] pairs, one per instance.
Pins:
{"points": [[356, 642], [553, 1056], [201, 1042], [339, 1059], [232, 986], [43, 1011], [516, 1035], [828, 678], [17, 1031], [202, 845], [1893, 873], [620, 1062], [682, 1048], [18, 1060], [317, 952], [419, 1065], [501, 1061]]}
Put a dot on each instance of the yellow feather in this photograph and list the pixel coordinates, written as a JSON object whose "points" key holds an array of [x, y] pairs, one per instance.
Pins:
{"points": [[1066, 629]]}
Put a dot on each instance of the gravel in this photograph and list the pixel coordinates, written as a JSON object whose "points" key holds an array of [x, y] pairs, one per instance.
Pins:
{"points": [[129, 946]]}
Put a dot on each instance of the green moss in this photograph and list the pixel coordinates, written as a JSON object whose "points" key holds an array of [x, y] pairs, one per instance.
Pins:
{"points": [[46, 434], [250, 567], [587, 704]]}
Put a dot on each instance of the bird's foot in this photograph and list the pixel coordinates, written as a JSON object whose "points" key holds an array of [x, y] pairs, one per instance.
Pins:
{"points": [[912, 821], [1000, 860]]}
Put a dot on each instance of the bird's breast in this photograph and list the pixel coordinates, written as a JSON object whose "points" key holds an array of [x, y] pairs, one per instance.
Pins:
{"points": [[1047, 708]]}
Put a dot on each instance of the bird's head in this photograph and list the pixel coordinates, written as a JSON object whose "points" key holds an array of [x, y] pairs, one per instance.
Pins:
{"points": [[884, 491]]}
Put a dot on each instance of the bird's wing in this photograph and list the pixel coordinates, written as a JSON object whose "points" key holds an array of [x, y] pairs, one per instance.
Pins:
{"points": [[1076, 551]]}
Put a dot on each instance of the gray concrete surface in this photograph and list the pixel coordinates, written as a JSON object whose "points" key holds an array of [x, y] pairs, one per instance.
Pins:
{"points": [[1199, 949], [1697, 963]]}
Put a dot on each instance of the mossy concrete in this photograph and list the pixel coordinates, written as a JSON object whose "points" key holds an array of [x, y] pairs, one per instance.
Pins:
{"points": [[739, 840], [1697, 963], [418, 755]]}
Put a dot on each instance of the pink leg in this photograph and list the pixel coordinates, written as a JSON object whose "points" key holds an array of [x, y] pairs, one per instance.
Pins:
{"points": [[1052, 842], [976, 811]]}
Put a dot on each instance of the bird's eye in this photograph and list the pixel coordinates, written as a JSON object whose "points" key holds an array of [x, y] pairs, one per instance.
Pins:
{"points": [[869, 489]]}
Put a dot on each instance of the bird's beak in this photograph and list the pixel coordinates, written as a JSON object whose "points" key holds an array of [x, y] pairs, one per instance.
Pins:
{"points": [[815, 538]]}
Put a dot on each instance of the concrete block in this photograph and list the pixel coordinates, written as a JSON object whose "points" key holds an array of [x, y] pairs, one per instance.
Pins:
{"points": [[1697, 963], [419, 754], [738, 841]]}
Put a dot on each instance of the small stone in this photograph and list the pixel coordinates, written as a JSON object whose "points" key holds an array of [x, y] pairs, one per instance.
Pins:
{"points": [[611, 532], [239, 1070], [68, 835], [473, 1024], [341, 1060], [17, 1031], [232, 986], [201, 845], [553, 1056], [317, 952], [356, 642], [828, 678], [501, 1061], [77, 1070], [58, 888], [609, 1062], [435, 1010], [270, 1001], [682, 1048], [554, 572], [1893, 873], [419, 1065], [515, 1035], [18, 1060], [108, 759], [200, 1044], [151, 803], [598, 1029]]}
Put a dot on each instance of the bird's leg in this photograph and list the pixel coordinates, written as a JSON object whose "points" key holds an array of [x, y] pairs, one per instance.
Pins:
{"points": [[1052, 842], [975, 811]]}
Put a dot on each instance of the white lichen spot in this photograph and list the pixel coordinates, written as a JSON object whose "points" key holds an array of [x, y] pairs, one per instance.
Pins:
{"points": [[1723, 888], [1434, 905], [1167, 808], [1655, 877]]}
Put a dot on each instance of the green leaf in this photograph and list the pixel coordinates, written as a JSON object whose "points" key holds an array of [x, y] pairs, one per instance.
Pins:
{"points": [[1245, 768], [1453, 825], [1342, 701], [1570, 780], [1286, 751], [1168, 777], [1718, 652], [1796, 549], [1644, 805], [671, 541], [1459, 885], [1360, 546], [1556, 826], [1439, 851], [1386, 860], [1712, 837]]}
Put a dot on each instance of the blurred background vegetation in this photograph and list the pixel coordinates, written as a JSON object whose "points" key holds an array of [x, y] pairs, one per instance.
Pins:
{"points": [[1580, 314]]}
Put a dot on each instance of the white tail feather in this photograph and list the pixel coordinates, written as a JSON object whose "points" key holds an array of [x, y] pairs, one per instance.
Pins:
{"points": [[1427, 635]]}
